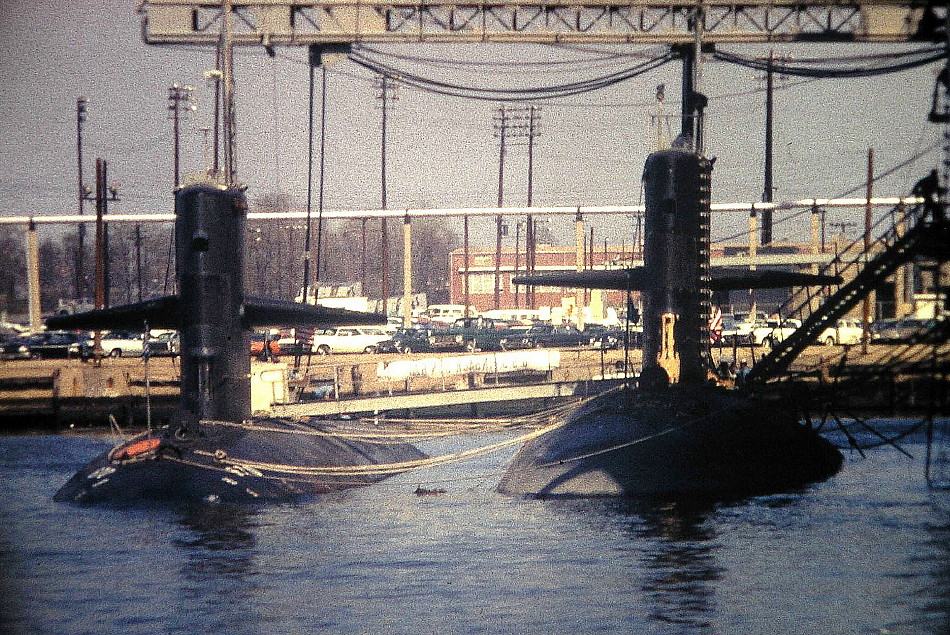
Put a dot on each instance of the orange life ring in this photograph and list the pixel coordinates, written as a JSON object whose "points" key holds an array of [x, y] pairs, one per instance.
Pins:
{"points": [[135, 449]]}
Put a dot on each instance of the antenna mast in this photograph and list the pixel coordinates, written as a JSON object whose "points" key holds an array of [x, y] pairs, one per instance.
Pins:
{"points": [[227, 79]]}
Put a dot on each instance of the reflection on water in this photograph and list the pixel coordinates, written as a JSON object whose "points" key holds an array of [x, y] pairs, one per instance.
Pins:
{"points": [[219, 570], [675, 546], [680, 564], [934, 591]]}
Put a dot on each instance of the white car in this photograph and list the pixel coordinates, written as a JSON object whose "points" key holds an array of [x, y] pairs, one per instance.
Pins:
{"points": [[773, 331], [737, 328], [845, 331], [349, 339], [122, 344]]}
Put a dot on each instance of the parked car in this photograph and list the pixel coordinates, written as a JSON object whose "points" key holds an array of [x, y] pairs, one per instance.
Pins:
{"points": [[165, 344], [13, 347], [912, 330], [257, 344], [122, 344], [773, 332], [58, 345], [878, 326], [845, 331], [480, 333], [406, 341], [737, 328], [550, 336], [613, 338], [292, 342], [349, 339]]}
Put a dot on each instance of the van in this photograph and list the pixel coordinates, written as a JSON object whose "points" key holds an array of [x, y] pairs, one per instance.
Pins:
{"points": [[448, 313], [514, 316]]}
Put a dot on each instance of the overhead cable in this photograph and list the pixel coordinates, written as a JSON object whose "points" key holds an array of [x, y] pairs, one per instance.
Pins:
{"points": [[509, 94], [820, 68]]}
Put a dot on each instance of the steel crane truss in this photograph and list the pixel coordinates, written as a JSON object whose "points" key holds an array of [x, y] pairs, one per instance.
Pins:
{"points": [[343, 21]]}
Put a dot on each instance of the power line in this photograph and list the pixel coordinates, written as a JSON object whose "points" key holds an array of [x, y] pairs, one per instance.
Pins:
{"points": [[820, 67], [510, 94]]}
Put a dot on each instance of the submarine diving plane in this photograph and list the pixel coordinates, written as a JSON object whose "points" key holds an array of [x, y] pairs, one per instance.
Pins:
{"points": [[212, 449], [676, 433]]}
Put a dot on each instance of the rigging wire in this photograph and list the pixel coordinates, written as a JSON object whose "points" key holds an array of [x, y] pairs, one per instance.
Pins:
{"points": [[912, 159]]}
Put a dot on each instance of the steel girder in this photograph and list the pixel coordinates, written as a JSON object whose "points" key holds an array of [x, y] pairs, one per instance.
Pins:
{"points": [[272, 22]]}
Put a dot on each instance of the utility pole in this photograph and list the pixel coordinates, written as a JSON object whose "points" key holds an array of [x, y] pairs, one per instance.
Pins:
{"points": [[518, 123], [104, 194], [387, 94], [33, 277], [363, 274], [228, 114], [179, 97], [102, 249], [501, 131], [767, 187], [517, 262], [80, 282], [465, 280], [534, 114], [315, 60], [138, 259], [866, 304]]}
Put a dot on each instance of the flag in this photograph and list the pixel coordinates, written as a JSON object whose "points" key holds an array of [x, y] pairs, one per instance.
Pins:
{"points": [[715, 325]]}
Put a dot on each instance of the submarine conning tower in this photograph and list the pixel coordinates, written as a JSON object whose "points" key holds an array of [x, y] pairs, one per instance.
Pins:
{"points": [[676, 295], [215, 367]]}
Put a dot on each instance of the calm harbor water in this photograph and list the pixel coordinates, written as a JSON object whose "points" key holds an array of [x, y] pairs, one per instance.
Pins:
{"points": [[865, 552]]}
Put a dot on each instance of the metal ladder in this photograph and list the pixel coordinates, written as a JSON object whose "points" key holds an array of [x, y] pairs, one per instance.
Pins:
{"points": [[872, 266]]}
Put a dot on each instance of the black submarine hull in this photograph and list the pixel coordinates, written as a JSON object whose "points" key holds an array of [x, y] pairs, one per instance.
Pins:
{"points": [[683, 441], [270, 460]]}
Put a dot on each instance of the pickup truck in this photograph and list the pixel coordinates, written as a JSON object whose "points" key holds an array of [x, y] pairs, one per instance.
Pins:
{"points": [[479, 333]]}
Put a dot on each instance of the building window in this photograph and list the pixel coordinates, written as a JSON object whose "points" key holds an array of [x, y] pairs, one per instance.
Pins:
{"points": [[481, 283]]}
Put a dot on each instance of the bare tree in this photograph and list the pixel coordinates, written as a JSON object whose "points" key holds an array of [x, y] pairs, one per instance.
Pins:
{"points": [[12, 271]]}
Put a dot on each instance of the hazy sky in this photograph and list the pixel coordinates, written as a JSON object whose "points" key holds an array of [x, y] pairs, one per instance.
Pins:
{"points": [[442, 152]]}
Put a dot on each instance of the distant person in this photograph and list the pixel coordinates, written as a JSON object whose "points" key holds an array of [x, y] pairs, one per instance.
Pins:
{"points": [[743, 373], [723, 370]]}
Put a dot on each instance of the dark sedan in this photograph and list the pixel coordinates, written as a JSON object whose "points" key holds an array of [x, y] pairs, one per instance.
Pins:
{"points": [[614, 338], [164, 344], [549, 336], [406, 341], [13, 347], [58, 345], [911, 330]]}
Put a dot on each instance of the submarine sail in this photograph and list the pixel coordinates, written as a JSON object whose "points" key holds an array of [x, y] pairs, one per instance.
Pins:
{"points": [[675, 433]]}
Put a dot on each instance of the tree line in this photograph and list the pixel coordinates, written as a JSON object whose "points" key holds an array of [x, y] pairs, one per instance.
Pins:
{"points": [[141, 260]]}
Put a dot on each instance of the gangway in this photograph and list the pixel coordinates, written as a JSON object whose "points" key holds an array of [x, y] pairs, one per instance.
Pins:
{"points": [[927, 233]]}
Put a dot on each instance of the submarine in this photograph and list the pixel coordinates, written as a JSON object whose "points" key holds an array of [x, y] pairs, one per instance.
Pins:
{"points": [[679, 431], [212, 449]]}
